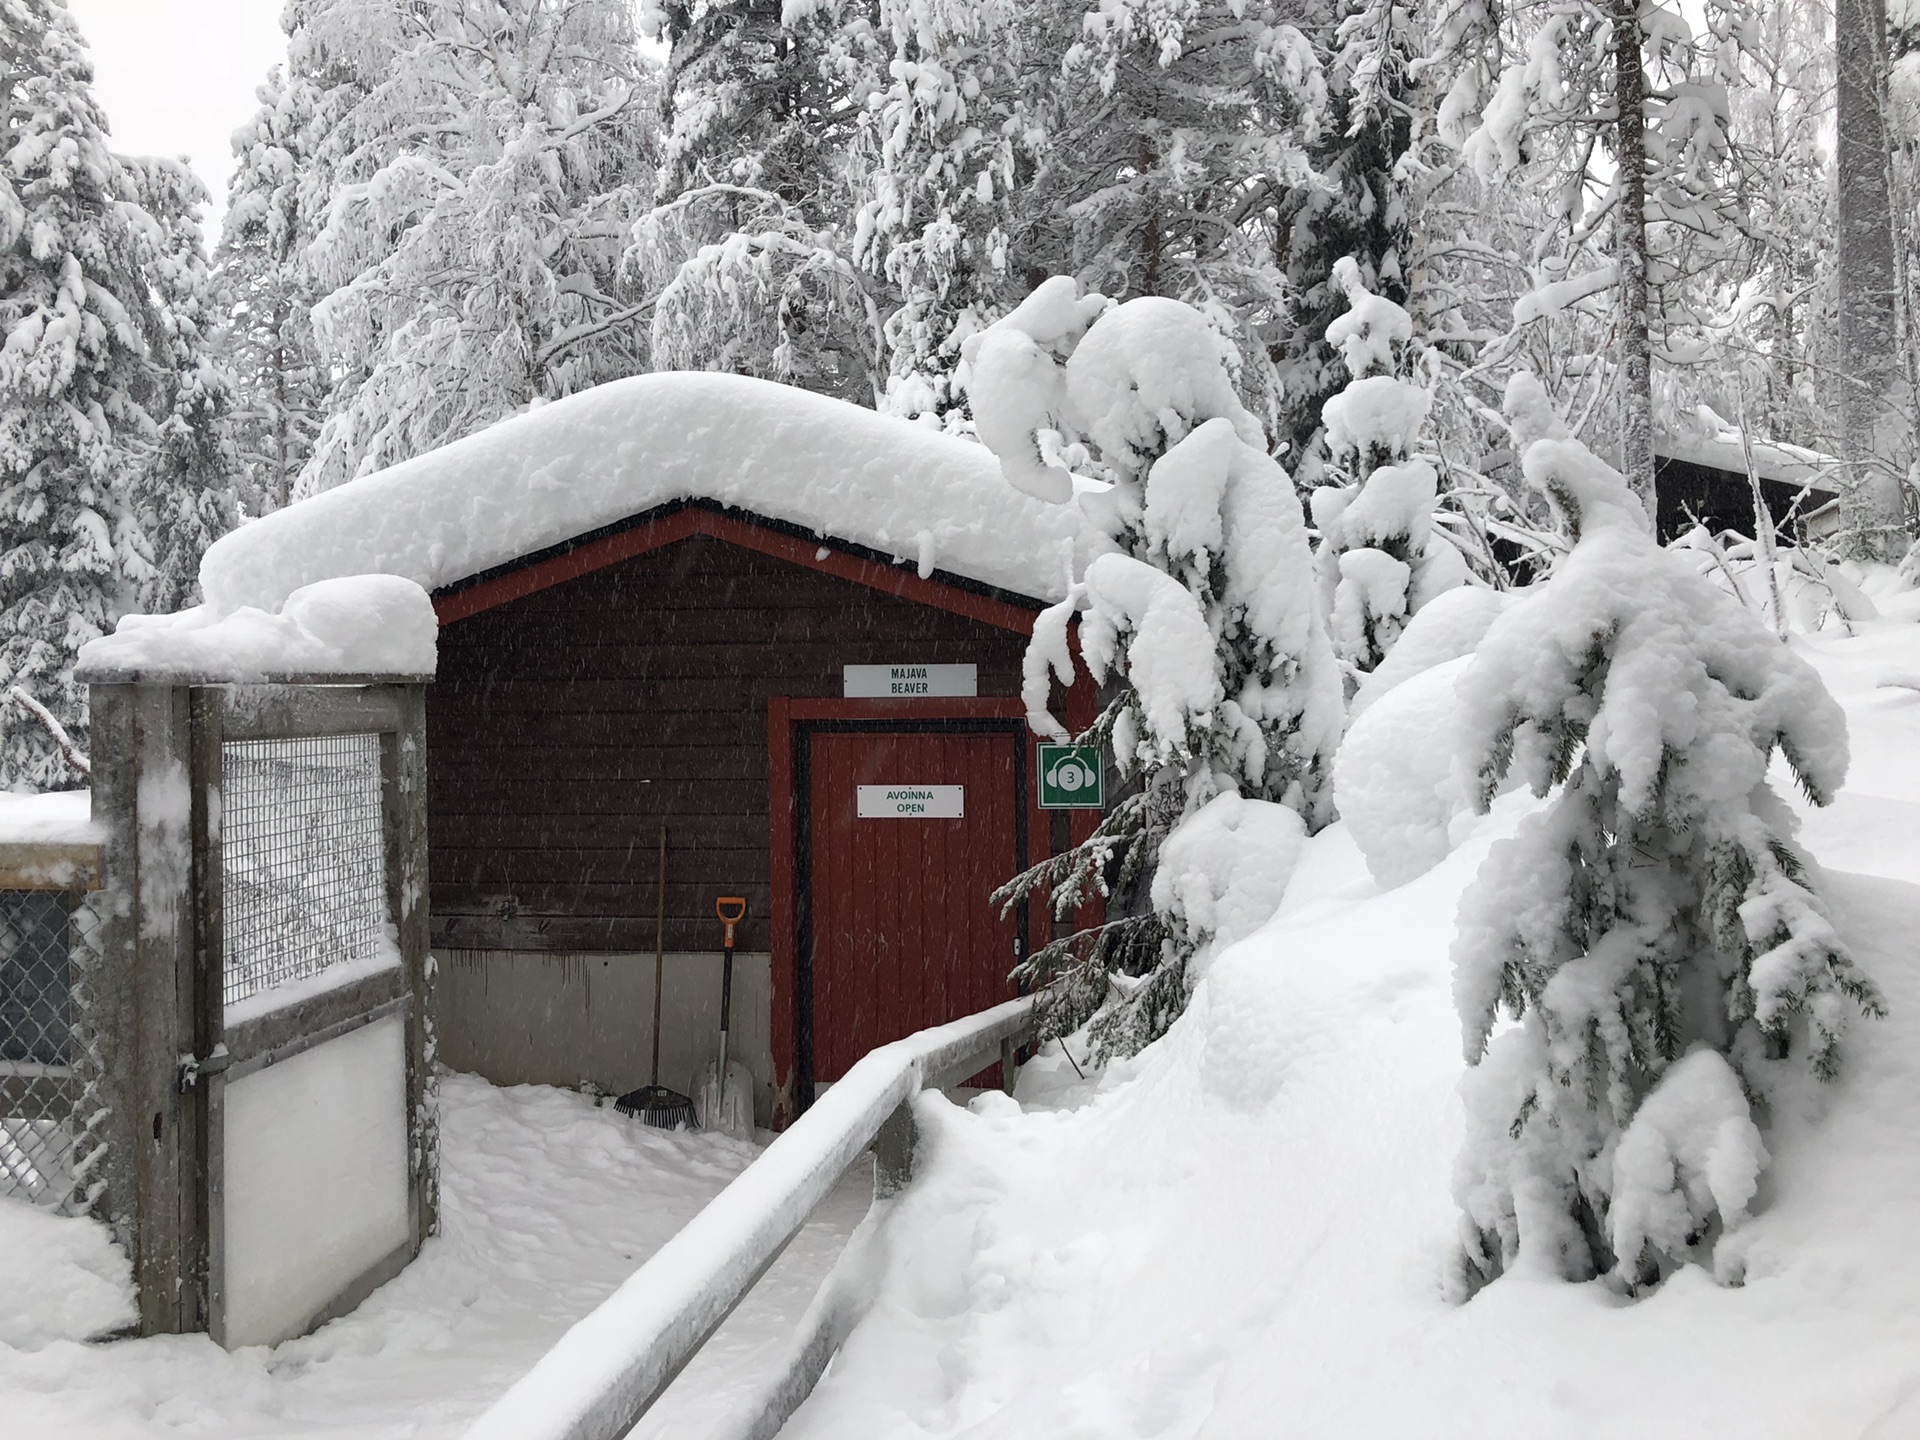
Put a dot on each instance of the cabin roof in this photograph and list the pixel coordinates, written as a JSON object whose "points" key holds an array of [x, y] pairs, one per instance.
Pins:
{"points": [[1772, 459], [578, 467]]}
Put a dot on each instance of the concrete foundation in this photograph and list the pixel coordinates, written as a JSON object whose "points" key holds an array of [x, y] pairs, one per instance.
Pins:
{"points": [[527, 1017]]}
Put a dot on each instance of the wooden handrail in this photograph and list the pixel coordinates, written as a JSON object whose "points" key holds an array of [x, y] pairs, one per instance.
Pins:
{"points": [[49, 865], [607, 1371]]}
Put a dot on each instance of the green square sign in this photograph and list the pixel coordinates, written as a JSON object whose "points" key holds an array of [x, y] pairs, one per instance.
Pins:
{"points": [[1071, 777]]}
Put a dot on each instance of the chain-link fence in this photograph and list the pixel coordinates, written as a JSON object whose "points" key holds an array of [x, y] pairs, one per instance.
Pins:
{"points": [[303, 865], [44, 1070]]}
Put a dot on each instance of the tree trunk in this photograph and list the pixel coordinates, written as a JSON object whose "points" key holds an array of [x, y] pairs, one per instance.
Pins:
{"points": [[1630, 254], [1871, 398]]}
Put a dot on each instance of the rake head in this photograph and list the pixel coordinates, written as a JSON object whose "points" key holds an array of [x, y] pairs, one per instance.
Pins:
{"points": [[657, 1106]]}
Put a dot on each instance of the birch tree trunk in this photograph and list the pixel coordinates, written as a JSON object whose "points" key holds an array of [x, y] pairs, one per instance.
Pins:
{"points": [[1630, 245], [1871, 392]]}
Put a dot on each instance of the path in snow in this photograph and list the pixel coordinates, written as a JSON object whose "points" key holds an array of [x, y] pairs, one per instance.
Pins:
{"points": [[548, 1204]]}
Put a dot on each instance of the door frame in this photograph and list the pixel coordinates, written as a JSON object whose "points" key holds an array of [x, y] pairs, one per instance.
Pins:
{"points": [[789, 722]]}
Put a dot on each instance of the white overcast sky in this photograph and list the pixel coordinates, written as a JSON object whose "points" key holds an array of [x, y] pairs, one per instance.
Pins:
{"points": [[176, 77]]}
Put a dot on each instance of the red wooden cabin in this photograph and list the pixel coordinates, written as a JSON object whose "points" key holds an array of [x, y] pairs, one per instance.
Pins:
{"points": [[650, 594], [688, 667]]}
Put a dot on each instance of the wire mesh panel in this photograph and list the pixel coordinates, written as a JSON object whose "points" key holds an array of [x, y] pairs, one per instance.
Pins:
{"points": [[37, 1085], [303, 865]]}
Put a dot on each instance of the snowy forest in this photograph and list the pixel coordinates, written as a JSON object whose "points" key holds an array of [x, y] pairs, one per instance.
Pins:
{"points": [[1504, 872], [445, 212]]}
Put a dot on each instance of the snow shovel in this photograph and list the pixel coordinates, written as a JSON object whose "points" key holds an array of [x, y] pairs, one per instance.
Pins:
{"points": [[726, 1095], [655, 1104]]}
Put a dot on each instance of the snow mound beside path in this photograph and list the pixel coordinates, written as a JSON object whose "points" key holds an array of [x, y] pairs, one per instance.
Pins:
{"points": [[1243, 1233], [1394, 777], [629, 446]]}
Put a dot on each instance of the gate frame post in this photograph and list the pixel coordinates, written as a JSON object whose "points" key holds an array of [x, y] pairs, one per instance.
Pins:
{"points": [[148, 997], [403, 775]]}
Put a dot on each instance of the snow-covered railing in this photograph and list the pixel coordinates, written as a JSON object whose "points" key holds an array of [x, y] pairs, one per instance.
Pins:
{"points": [[610, 1367]]}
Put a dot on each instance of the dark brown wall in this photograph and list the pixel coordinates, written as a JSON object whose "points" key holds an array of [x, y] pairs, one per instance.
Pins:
{"points": [[1721, 500], [564, 726]]}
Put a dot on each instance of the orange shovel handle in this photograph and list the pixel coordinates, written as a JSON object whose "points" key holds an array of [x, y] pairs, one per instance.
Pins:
{"points": [[731, 909]]}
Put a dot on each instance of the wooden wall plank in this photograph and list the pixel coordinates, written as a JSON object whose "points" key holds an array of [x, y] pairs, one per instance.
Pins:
{"points": [[49, 865], [567, 724]]}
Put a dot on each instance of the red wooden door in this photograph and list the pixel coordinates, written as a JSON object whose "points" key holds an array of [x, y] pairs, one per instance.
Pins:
{"points": [[903, 935]]}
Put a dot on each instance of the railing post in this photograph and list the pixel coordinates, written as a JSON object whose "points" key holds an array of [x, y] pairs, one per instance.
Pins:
{"points": [[893, 1151]]}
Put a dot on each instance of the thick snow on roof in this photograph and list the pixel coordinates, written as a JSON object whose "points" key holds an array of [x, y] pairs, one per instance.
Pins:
{"points": [[629, 446], [1772, 459]]}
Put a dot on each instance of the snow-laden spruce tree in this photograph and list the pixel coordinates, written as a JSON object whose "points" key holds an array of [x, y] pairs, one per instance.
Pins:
{"points": [[270, 291], [1364, 204], [1653, 929], [1200, 613], [325, 122], [1380, 558], [946, 211], [73, 372], [1142, 146], [746, 248], [758, 93], [471, 248], [184, 489], [1182, 130]]}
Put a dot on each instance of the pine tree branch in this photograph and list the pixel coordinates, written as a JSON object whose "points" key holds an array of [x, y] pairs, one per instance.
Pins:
{"points": [[75, 756]]}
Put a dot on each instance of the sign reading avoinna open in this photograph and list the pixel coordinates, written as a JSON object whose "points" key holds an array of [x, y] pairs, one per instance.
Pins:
{"points": [[1071, 777]]}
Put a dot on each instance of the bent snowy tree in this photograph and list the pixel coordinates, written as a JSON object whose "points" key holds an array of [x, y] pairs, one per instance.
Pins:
{"points": [[1203, 616], [1654, 930], [1380, 556]]}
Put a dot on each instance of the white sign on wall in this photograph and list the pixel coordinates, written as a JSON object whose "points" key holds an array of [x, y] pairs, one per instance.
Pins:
{"points": [[912, 802], [902, 682]]}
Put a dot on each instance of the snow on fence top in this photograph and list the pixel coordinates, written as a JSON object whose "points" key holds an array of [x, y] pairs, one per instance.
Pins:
{"points": [[354, 625], [61, 817], [631, 445]]}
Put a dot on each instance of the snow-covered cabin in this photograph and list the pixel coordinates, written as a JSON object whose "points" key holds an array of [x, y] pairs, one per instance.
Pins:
{"points": [[743, 613], [1704, 478]]}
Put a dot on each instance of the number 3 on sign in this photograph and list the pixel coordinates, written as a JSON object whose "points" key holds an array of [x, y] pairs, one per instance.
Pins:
{"points": [[1072, 777]]}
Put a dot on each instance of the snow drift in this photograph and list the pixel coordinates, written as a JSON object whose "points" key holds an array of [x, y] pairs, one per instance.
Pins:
{"points": [[60, 1279], [1244, 1233]]}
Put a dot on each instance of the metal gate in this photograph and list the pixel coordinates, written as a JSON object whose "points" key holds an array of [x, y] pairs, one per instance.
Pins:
{"points": [[309, 832], [262, 993]]}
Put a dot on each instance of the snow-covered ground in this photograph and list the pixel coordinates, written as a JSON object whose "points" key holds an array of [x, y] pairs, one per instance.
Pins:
{"points": [[1244, 1233], [1241, 1234], [548, 1204]]}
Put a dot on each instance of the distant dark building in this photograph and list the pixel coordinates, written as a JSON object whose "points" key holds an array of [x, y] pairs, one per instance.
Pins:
{"points": [[1705, 481]]}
